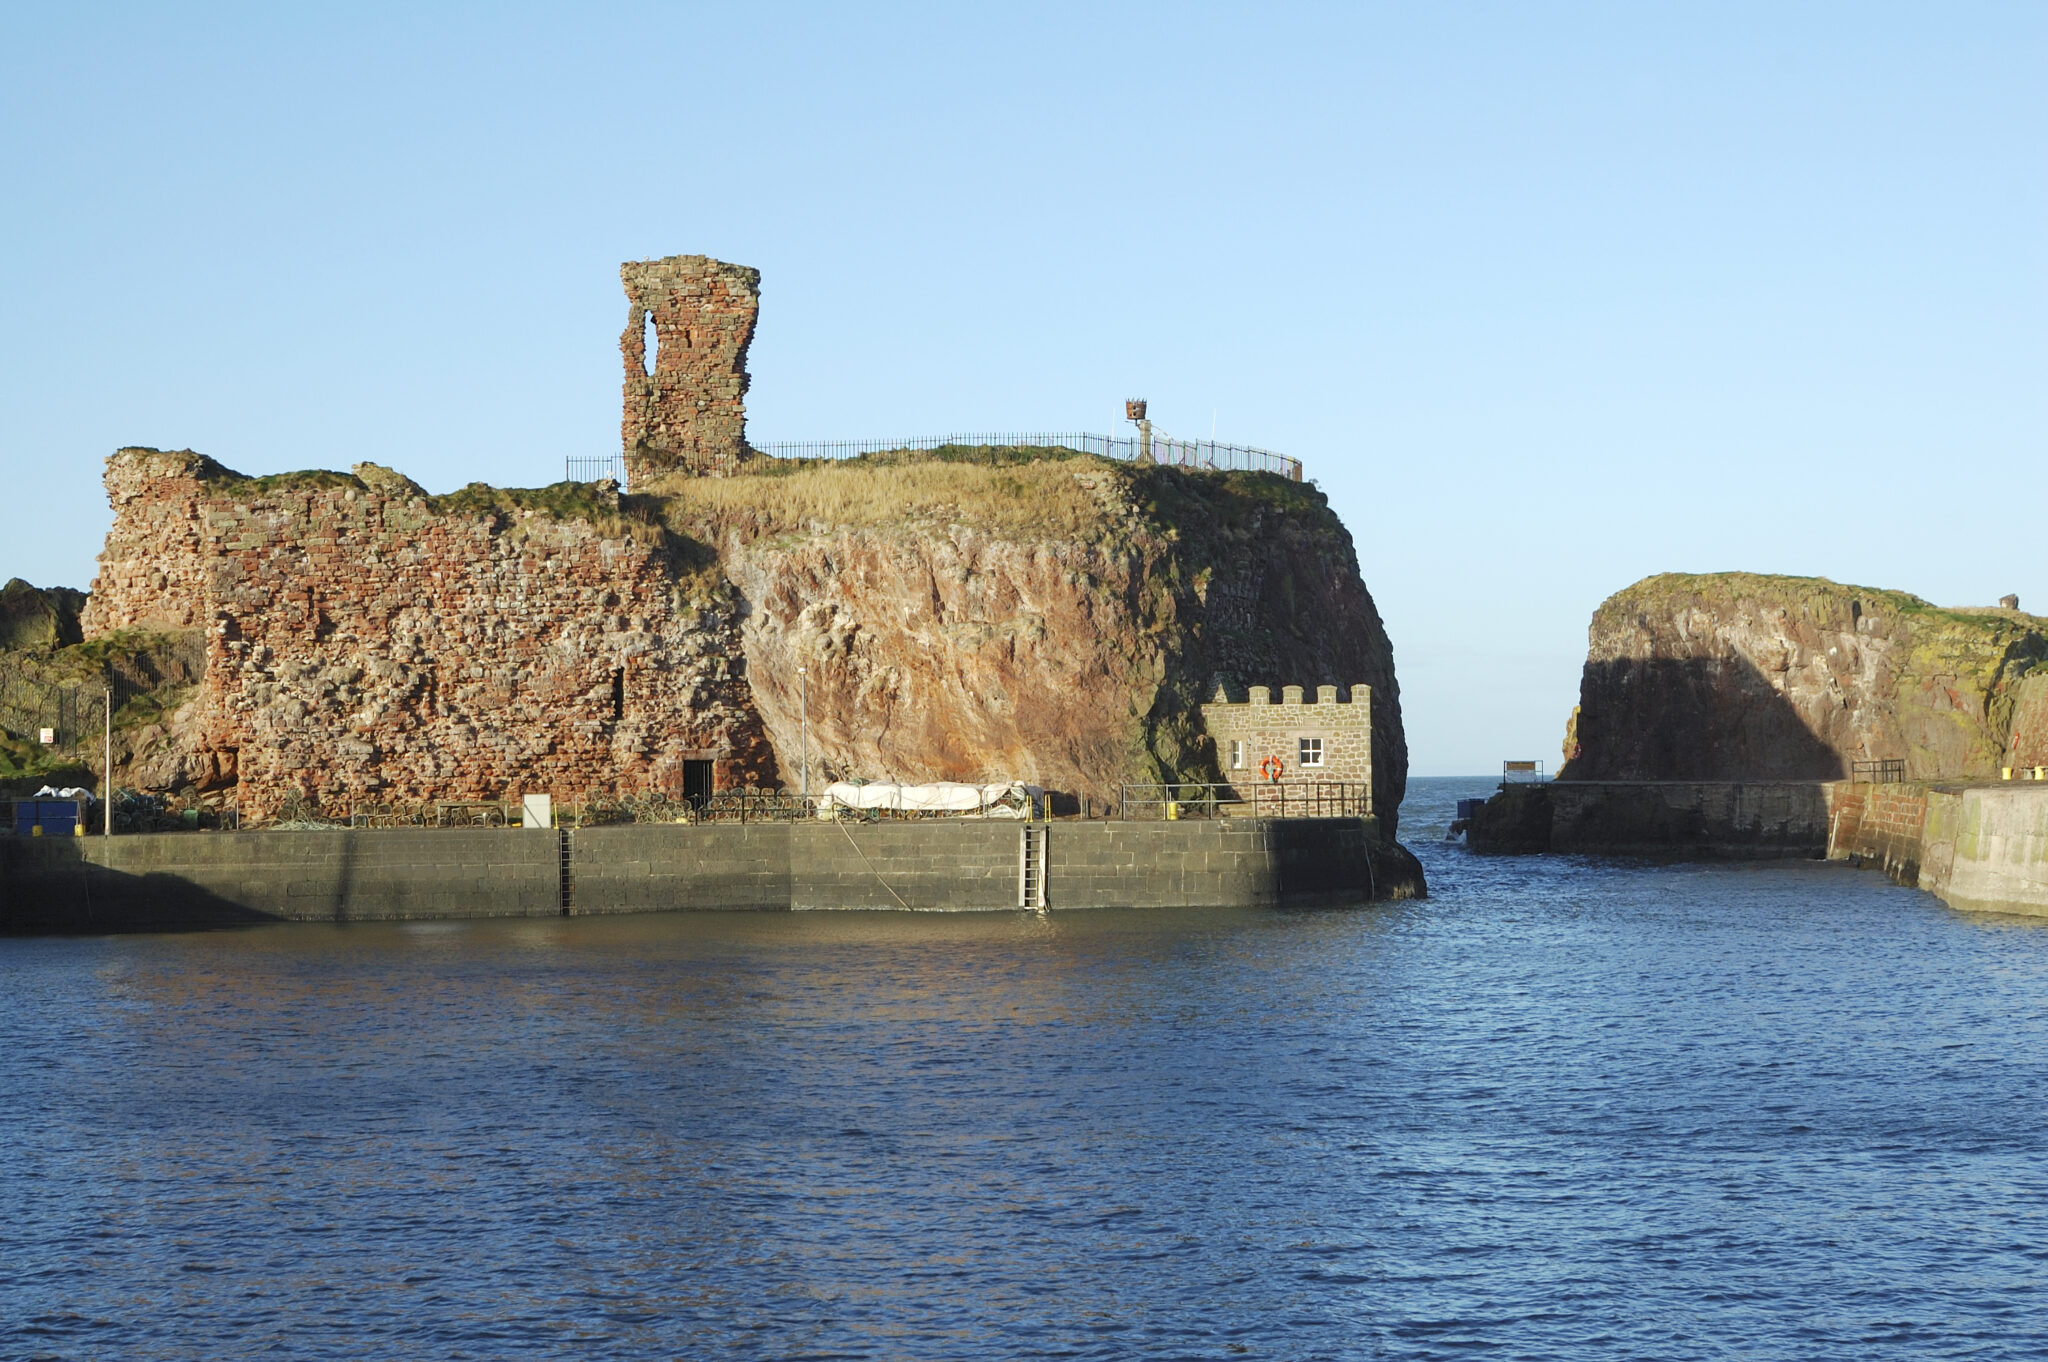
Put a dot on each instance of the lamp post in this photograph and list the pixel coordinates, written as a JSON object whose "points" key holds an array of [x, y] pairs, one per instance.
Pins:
{"points": [[107, 781], [804, 760]]}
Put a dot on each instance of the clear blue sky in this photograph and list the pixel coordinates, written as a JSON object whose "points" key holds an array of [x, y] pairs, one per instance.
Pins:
{"points": [[1548, 296]]}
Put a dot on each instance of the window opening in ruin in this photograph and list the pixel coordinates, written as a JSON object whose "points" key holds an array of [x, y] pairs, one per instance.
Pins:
{"points": [[618, 692], [1236, 754], [650, 344], [697, 783], [1311, 751]]}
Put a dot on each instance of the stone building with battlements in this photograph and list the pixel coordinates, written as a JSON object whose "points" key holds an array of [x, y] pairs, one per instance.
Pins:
{"points": [[1297, 739]]}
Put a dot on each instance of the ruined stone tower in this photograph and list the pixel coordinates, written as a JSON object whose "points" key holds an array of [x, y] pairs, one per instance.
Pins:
{"points": [[685, 405]]}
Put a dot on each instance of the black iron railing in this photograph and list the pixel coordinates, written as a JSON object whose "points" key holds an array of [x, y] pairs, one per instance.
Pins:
{"points": [[1284, 799], [611, 466], [1162, 449], [1887, 771]]}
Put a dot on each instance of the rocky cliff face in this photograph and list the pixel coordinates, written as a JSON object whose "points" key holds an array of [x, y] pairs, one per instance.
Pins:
{"points": [[1735, 676], [1054, 620], [1024, 615], [32, 619]]}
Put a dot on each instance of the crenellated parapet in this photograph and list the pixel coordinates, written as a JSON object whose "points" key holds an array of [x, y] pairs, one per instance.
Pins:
{"points": [[1327, 738]]}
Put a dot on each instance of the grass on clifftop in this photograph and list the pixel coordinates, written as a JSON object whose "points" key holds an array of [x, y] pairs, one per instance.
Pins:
{"points": [[621, 517], [1788, 591], [1026, 492], [1022, 493], [1037, 499]]}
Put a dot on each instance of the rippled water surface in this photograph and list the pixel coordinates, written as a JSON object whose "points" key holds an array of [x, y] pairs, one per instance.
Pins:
{"points": [[1562, 1109]]}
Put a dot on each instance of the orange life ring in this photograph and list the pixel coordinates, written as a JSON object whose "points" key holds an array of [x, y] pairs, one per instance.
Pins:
{"points": [[1271, 768]]}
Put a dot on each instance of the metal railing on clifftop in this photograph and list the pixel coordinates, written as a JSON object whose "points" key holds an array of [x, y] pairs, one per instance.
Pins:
{"points": [[1208, 454], [597, 469], [1165, 449]]}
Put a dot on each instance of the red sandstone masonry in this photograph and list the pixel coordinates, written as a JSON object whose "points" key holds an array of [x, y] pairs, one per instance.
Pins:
{"points": [[687, 410], [361, 646], [1880, 823]]}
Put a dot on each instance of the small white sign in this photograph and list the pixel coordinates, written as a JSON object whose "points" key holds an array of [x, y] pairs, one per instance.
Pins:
{"points": [[49, 737], [536, 811]]}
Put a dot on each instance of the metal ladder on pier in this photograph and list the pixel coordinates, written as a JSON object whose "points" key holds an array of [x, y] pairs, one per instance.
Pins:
{"points": [[567, 880], [1031, 866]]}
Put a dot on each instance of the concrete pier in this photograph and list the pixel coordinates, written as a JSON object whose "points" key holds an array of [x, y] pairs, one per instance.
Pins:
{"points": [[1977, 846], [163, 881]]}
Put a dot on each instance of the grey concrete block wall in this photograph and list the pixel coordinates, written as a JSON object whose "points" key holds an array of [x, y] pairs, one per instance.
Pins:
{"points": [[187, 879], [1159, 865], [1986, 850], [927, 866], [164, 881], [653, 868]]}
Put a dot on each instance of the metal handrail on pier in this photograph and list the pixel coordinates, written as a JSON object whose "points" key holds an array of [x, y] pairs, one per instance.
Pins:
{"points": [[1885, 771], [1283, 799]]}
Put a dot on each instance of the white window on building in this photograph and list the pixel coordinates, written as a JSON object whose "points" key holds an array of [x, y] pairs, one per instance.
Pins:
{"points": [[1237, 754], [1311, 752]]}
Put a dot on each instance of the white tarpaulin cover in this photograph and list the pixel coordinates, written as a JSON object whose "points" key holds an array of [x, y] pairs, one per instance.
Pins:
{"points": [[1007, 800]]}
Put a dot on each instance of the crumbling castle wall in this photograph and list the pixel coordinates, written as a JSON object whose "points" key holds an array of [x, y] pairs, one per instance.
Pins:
{"points": [[685, 408], [367, 642]]}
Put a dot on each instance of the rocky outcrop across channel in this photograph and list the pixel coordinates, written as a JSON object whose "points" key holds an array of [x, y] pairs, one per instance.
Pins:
{"points": [[1737, 676]]}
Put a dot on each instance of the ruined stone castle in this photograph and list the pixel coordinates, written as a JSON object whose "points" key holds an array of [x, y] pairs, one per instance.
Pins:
{"points": [[688, 326], [1056, 621]]}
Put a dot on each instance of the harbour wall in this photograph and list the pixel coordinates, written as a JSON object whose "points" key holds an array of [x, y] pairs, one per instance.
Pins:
{"points": [[174, 880], [1981, 847], [1977, 847], [1737, 820]]}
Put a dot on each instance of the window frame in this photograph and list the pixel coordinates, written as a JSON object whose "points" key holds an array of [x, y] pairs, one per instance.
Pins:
{"points": [[1302, 753]]}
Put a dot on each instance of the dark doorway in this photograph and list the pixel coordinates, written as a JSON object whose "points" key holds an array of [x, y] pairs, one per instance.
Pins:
{"points": [[697, 783]]}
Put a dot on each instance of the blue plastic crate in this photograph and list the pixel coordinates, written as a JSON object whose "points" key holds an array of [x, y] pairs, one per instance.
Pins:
{"points": [[57, 817]]}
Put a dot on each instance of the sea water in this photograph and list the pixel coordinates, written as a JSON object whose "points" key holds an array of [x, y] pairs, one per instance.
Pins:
{"points": [[1561, 1109]]}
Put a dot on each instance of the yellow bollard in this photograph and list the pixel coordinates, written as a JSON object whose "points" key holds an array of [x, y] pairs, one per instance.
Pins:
{"points": [[2005, 773], [1172, 811]]}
